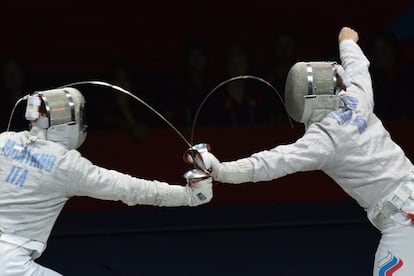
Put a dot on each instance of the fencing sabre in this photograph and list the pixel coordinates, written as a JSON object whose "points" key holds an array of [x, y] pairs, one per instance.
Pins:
{"points": [[191, 176], [194, 154]]}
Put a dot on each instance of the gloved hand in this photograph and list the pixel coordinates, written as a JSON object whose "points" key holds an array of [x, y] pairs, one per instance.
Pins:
{"points": [[213, 163], [238, 171], [347, 33], [199, 191], [234, 172], [195, 155]]}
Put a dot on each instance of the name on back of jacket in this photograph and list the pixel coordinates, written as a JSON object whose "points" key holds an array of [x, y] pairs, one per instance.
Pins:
{"points": [[26, 156]]}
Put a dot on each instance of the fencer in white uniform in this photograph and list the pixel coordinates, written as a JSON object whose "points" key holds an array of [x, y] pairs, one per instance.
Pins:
{"points": [[346, 140], [40, 170]]}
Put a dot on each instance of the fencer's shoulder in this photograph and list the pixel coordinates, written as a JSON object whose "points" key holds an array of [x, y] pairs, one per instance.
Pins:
{"points": [[323, 130], [317, 139], [11, 133], [17, 136], [73, 154], [74, 161], [4, 134], [319, 131]]}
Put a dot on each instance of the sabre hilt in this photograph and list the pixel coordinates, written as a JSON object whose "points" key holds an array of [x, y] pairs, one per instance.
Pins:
{"points": [[197, 156], [194, 175]]}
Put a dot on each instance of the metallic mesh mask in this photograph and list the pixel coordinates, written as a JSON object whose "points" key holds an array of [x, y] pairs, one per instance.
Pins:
{"points": [[61, 113], [310, 91]]}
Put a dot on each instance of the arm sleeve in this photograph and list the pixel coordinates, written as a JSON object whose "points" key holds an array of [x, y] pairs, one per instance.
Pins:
{"points": [[100, 183], [235, 172], [356, 65], [311, 152]]}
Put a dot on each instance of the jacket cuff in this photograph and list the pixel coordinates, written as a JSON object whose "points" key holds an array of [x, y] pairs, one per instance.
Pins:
{"points": [[235, 172]]}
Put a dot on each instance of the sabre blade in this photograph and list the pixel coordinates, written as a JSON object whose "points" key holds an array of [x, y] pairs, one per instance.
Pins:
{"points": [[122, 90], [226, 82]]}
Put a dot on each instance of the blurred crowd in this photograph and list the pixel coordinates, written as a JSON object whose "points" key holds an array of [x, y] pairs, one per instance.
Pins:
{"points": [[178, 95]]}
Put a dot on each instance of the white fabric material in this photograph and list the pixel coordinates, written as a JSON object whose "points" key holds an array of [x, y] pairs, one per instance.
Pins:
{"points": [[236, 172], [233, 172], [37, 247], [341, 72], [343, 149], [17, 261], [42, 122], [315, 107], [67, 134], [38, 176], [200, 192], [395, 251], [193, 195], [352, 147]]}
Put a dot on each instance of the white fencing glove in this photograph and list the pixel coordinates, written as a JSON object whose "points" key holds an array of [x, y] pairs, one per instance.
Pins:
{"points": [[200, 191], [194, 193], [239, 171], [234, 172]]}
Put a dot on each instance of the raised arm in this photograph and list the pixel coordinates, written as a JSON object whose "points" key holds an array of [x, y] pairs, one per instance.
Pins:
{"points": [[356, 66]]}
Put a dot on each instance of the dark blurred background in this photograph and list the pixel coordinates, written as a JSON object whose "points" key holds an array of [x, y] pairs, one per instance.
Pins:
{"points": [[171, 54]]}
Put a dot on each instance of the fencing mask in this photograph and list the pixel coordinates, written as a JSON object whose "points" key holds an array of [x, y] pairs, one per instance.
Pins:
{"points": [[310, 91], [61, 113]]}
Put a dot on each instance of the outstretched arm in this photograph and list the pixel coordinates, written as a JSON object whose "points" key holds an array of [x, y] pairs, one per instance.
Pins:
{"points": [[93, 181], [356, 66]]}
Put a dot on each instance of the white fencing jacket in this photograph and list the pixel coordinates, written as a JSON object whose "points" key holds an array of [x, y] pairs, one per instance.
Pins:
{"points": [[37, 177], [350, 145]]}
